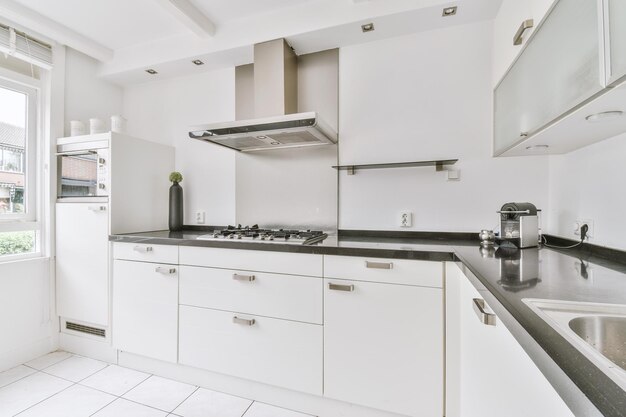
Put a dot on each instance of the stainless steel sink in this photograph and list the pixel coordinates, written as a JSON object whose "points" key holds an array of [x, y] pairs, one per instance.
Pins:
{"points": [[597, 330], [605, 334]]}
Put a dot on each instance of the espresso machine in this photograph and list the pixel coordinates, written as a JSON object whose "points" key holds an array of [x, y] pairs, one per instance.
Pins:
{"points": [[519, 225]]}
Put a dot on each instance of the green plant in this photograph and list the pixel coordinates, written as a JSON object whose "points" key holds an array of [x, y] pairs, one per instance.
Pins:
{"points": [[176, 177], [16, 242]]}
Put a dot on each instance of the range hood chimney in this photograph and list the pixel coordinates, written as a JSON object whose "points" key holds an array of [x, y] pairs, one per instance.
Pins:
{"points": [[277, 124]]}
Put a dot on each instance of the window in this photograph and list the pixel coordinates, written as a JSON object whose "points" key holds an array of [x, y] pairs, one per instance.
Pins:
{"points": [[19, 226]]}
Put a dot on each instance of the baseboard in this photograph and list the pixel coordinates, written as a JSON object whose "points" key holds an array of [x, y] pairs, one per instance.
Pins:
{"points": [[26, 353], [291, 400], [95, 349]]}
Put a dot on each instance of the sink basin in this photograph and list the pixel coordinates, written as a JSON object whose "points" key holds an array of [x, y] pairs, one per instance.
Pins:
{"points": [[597, 330], [605, 334]]}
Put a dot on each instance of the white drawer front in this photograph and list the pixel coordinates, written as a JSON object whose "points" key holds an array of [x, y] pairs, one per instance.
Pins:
{"points": [[290, 297], [276, 352], [253, 260], [165, 254], [393, 271]]}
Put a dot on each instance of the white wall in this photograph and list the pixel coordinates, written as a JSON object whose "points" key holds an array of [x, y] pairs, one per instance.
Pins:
{"points": [[26, 327], [589, 184], [163, 111], [422, 97], [86, 95]]}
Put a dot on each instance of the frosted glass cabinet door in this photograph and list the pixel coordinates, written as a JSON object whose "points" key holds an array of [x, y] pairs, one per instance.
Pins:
{"points": [[559, 69], [617, 38]]}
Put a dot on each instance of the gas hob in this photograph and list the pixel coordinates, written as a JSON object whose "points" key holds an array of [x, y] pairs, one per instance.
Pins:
{"points": [[256, 234]]}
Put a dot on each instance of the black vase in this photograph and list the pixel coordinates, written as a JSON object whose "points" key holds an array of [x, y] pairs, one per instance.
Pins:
{"points": [[176, 208]]}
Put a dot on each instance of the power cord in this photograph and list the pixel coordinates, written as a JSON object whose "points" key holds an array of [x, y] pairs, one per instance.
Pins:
{"points": [[583, 235]]}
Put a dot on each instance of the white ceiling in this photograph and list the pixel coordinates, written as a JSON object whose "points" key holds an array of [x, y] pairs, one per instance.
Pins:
{"points": [[112, 23], [129, 36]]}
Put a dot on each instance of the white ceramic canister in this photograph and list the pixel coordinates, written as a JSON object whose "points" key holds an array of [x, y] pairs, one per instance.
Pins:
{"points": [[77, 128], [118, 124], [96, 126]]}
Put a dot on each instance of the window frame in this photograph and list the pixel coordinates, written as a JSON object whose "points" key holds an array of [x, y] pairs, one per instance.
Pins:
{"points": [[33, 196]]}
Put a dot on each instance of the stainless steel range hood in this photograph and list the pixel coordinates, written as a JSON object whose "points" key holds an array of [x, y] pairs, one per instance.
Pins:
{"points": [[278, 125]]}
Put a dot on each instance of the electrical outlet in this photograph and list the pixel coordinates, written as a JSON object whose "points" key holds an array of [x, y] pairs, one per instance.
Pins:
{"points": [[406, 219], [579, 223], [200, 216]]}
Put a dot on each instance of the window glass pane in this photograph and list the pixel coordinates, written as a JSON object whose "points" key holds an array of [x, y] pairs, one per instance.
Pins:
{"points": [[15, 243], [12, 150]]}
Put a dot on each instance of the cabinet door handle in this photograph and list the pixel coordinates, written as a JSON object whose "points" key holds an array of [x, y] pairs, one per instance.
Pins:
{"points": [[379, 265], [526, 24], [245, 322], [488, 319], [165, 271], [97, 208], [339, 287], [247, 278], [143, 249]]}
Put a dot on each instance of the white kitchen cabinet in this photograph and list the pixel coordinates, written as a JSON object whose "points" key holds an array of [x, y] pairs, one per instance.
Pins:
{"points": [[559, 69], [145, 309], [383, 346], [617, 39], [511, 15], [82, 258], [289, 297], [488, 373], [277, 352], [163, 254]]}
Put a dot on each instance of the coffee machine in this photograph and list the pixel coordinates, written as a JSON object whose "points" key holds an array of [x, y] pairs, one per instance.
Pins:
{"points": [[519, 225]]}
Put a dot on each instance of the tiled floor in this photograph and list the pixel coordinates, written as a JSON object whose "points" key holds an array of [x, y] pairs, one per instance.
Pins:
{"points": [[65, 385]]}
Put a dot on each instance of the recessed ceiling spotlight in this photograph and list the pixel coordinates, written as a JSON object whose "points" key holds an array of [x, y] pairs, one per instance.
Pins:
{"points": [[449, 11], [368, 27], [197, 62], [537, 147], [598, 117], [151, 71]]}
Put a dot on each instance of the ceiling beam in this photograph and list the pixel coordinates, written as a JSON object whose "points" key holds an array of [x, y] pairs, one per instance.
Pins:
{"points": [[190, 16], [29, 19]]}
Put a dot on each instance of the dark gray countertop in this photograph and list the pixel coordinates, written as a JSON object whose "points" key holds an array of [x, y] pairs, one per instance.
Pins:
{"points": [[509, 277]]}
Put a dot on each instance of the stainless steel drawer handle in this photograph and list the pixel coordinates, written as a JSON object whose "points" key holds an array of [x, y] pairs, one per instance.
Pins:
{"points": [[165, 270], [379, 265], [339, 287], [488, 319], [143, 249], [97, 208], [245, 322], [526, 24], [247, 278]]}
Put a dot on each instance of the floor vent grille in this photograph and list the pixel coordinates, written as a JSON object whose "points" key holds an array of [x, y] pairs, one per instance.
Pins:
{"points": [[85, 329]]}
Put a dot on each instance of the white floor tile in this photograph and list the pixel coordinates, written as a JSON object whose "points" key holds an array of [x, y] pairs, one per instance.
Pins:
{"points": [[48, 360], [14, 374], [266, 410], [115, 380], [160, 393], [76, 401], [125, 408], [76, 368], [206, 403], [29, 391]]}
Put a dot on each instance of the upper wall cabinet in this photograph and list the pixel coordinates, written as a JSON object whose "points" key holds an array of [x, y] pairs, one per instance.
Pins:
{"points": [[512, 22], [554, 97], [617, 39]]}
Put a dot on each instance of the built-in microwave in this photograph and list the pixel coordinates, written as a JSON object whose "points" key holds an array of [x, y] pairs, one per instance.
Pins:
{"points": [[82, 169]]}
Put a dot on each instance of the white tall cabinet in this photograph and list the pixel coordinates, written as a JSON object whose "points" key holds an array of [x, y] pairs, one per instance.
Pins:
{"points": [[137, 198], [488, 373], [617, 39]]}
